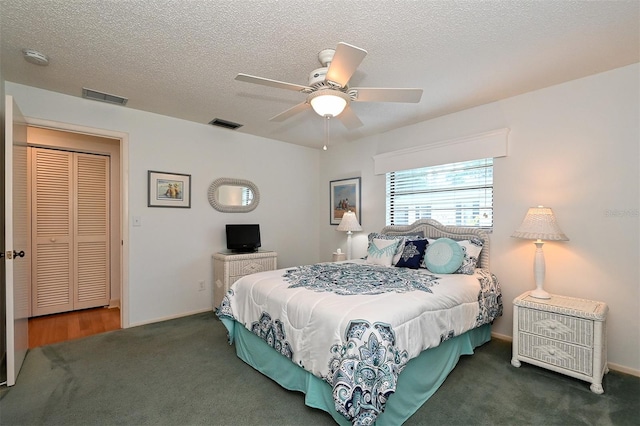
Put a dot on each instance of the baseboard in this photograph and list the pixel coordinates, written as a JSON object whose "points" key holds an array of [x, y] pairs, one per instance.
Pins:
{"points": [[622, 369], [615, 367], [501, 337], [184, 314]]}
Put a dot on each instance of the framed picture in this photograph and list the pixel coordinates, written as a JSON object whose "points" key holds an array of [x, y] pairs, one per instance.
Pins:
{"points": [[169, 190], [344, 195]]}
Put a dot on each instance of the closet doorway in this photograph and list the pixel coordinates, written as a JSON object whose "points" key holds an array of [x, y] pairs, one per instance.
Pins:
{"points": [[75, 214]]}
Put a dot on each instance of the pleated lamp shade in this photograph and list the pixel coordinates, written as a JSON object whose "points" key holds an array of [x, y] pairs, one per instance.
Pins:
{"points": [[540, 224]]}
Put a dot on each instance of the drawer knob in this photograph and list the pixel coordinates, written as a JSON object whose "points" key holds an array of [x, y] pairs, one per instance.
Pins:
{"points": [[552, 351], [552, 326]]}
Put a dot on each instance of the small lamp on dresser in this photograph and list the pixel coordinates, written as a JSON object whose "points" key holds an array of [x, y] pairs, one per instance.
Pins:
{"points": [[540, 224], [349, 223]]}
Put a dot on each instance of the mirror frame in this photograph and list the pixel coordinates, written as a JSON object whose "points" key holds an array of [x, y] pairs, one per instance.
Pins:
{"points": [[232, 182]]}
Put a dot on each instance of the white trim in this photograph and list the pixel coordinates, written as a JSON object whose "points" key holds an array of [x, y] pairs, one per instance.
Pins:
{"points": [[622, 369], [474, 147], [499, 336], [171, 317], [124, 198]]}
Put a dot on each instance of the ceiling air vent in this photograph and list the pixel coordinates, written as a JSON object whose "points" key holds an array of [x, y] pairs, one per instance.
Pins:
{"points": [[103, 97], [224, 123]]}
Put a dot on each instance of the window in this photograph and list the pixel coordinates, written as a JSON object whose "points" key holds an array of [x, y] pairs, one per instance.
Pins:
{"points": [[247, 196], [458, 194]]}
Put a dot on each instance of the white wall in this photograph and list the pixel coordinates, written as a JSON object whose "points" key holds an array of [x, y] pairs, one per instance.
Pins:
{"points": [[573, 147], [172, 249]]}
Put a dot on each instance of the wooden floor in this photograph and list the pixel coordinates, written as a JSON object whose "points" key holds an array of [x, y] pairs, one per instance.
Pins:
{"points": [[55, 328]]}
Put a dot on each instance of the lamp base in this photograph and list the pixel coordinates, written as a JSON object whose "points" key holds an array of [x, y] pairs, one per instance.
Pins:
{"points": [[538, 273], [539, 293]]}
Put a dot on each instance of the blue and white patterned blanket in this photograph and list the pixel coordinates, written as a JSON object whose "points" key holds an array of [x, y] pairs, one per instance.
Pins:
{"points": [[358, 278], [356, 325]]}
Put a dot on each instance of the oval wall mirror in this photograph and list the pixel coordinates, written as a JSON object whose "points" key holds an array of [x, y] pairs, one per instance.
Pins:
{"points": [[233, 195]]}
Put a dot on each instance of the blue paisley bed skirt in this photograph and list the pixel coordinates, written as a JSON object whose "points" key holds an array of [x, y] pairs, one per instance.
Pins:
{"points": [[419, 380]]}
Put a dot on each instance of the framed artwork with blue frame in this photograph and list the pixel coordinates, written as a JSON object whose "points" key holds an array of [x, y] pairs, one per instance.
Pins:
{"points": [[344, 195]]}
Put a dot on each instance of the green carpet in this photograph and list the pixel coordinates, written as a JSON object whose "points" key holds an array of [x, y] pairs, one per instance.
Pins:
{"points": [[183, 372]]}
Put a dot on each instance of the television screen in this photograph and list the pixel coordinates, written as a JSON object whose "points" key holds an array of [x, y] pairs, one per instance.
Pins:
{"points": [[243, 238]]}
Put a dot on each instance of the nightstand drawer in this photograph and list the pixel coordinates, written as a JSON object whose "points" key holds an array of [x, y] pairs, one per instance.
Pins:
{"points": [[230, 267], [555, 326], [241, 268], [569, 357]]}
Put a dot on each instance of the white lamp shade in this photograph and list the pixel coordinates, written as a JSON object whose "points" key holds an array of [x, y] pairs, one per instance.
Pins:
{"points": [[328, 102], [540, 224], [349, 222]]}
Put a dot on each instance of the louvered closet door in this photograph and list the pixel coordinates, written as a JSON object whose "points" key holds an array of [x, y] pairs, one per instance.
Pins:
{"points": [[70, 238], [51, 196], [91, 231]]}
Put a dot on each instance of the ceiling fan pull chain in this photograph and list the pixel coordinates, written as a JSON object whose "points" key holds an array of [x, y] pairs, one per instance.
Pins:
{"points": [[326, 131]]}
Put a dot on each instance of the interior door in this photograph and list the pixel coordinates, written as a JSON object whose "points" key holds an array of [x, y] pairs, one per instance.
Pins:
{"points": [[52, 231], [16, 236]]}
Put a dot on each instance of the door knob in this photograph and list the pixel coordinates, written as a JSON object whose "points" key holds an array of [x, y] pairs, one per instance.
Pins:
{"points": [[18, 254]]}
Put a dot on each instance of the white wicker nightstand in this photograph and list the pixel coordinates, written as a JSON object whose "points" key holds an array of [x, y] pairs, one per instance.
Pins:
{"points": [[230, 267], [563, 334]]}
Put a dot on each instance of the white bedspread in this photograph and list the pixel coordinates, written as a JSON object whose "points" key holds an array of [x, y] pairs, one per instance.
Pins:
{"points": [[357, 343]]}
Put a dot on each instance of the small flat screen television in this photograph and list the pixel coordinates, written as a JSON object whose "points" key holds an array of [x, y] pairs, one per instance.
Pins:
{"points": [[243, 238]]}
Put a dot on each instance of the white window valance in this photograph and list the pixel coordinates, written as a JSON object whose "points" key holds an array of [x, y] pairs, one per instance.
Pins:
{"points": [[483, 145]]}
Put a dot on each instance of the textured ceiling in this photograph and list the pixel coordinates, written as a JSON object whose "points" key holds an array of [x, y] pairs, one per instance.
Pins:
{"points": [[180, 58]]}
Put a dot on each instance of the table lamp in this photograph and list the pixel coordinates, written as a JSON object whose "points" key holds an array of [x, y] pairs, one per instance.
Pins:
{"points": [[540, 224], [349, 223]]}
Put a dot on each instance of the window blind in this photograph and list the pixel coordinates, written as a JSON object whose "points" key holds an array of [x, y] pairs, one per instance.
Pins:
{"points": [[458, 194]]}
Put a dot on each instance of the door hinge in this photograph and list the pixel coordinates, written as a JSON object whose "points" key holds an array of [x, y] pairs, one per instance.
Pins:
{"points": [[8, 254]]}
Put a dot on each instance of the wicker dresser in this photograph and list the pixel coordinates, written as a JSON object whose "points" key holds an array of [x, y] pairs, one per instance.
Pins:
{"points": [[563, 334], [229, 267]]}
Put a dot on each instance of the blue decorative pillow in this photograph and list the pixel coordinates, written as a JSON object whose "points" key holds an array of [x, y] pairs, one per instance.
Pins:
{"points": [[443, 256], [413, 253]]}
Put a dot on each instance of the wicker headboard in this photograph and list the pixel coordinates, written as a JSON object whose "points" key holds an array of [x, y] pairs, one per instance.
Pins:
{"points": [[430, 228]]}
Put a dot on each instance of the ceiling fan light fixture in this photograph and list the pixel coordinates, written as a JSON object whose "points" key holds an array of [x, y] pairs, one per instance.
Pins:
{"points": [[328, 102]]}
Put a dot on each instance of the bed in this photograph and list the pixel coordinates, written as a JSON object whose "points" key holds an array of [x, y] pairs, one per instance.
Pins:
{"points": [[365, 340]]}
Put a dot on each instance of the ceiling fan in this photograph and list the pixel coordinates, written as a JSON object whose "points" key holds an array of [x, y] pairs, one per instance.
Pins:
{"points": [[328, 92]]}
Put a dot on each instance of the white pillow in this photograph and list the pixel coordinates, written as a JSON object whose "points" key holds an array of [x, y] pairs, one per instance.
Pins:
{"points": [[399, 238], [471, 249], [381, 252]]}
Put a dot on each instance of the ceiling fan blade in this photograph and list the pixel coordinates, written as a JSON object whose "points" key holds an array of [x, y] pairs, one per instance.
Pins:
{"points": [[290, 112], [349, 119], [382, 94], [345, 62], [271, 83]]}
